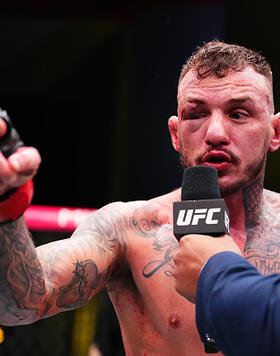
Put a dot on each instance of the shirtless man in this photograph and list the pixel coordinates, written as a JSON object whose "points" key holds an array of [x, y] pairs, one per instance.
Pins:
{"points": [[225, 120]]}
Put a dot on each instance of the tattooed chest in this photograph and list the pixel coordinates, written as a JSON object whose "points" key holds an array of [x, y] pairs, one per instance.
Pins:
{"points": [[262, 221], [268, 267], [266, 264], [153, 244], [263, 251], [154, 258]]}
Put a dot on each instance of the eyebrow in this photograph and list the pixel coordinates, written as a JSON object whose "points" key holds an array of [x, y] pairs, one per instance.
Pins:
{"points": [[232, 101], [241, 100], [195, 101]]}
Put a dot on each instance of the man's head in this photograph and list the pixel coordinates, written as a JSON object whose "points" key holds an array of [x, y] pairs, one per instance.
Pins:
{"points": [[225, 113], [217, 58]]}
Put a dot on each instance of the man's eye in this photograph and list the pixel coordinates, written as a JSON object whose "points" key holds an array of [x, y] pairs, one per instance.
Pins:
{"points": [[237, 115], [194, 116]]}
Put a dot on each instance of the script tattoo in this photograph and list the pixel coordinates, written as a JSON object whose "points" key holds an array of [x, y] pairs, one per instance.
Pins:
{"points": [[266, 261], [262, 218], [168, 246], [164, 242]]}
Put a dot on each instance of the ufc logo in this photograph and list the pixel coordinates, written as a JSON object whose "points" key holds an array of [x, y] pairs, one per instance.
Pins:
{"points": [[192, 216]]}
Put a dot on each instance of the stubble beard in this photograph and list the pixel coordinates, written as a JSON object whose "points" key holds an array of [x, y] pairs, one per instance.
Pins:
{"points": [[253, 171]]}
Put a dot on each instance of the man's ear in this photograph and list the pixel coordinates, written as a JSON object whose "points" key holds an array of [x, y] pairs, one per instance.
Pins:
{"points": [[275, 141], [173, 129]]}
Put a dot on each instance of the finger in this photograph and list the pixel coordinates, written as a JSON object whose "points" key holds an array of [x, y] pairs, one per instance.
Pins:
{"points": [[3, 127], [6, 171], [25, 160]]}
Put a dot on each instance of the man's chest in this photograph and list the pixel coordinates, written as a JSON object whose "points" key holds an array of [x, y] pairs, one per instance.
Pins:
{"points": [[151, 256], [151, 286], [150, 310], [262, 247], [264, 252], [160, 315]]}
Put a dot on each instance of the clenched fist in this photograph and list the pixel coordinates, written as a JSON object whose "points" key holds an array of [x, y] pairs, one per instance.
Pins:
{"points": [[20, 166], [193, 253]]}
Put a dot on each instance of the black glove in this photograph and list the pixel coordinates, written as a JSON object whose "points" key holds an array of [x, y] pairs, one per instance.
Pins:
{"points": [[11, 141]]}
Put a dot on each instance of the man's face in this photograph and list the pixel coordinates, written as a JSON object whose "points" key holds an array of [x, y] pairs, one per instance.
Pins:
{"points": [[226, 123]]}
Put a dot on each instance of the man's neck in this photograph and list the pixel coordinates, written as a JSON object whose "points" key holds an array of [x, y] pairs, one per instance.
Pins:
{"points": [[245, 208]]}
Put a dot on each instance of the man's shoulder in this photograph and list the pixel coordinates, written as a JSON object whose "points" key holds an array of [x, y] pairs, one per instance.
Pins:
{"points": [[160, 202], [272, 197], [124, 211], [272, 205]]}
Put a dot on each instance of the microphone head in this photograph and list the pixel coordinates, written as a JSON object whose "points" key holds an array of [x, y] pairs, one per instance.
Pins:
{"points": [[200, 182]]}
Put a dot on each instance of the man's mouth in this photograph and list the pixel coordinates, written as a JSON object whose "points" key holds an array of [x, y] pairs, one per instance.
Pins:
{"points": [[218, 159]]}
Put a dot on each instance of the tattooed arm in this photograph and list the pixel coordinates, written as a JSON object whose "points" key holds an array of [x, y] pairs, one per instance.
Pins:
{"points": [[21, 276], [36, 283], [62, 275]]}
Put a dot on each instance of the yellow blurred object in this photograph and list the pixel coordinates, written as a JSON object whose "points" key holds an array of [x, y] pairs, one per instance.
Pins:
{"points": [[2, 336], [84, 327]]}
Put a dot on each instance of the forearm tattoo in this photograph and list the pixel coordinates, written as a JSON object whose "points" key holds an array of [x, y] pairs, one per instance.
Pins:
{"points": [[69, 270], [21, 277]]}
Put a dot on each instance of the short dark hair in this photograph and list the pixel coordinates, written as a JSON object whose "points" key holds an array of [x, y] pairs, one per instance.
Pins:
{"points": [[217, 58]]}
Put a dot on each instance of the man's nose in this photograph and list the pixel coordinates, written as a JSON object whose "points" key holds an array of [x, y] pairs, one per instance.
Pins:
{"points": [[217, 130]]}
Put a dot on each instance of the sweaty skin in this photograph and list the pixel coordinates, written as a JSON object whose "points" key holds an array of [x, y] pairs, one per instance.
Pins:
{"points": [[128, 248], [154, 318]]}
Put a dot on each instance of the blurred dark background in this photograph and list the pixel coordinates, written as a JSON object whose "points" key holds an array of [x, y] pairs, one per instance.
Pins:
{"points": [[92, 85]]}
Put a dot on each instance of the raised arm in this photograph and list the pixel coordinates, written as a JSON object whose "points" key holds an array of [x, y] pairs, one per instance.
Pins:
{"points": [[37, 283]]}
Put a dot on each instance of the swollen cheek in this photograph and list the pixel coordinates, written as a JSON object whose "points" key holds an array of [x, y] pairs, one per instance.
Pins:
{"points": [[195, 125]]}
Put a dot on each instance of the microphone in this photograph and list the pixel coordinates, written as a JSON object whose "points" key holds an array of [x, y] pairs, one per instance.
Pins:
{"points": [[201, 211]]}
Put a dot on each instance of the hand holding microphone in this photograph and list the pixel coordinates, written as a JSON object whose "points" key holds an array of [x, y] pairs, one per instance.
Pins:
{"points": [[194, 252], [198, 220], [203, 212]]}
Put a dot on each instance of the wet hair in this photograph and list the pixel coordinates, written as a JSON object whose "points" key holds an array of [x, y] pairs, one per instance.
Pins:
{"points": [[217, 58]]}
